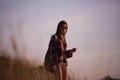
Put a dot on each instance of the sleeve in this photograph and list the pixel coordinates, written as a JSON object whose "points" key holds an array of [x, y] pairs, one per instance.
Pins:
{"points": [[53, 43], [69, 53], [52, 49]]}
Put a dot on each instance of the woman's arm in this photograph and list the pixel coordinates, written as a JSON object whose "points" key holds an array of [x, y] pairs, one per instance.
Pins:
{"points": [[69, 53], [52, 48]]}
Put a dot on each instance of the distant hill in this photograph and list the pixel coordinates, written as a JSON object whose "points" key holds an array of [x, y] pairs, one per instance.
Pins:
{"points": [[109, 78]]}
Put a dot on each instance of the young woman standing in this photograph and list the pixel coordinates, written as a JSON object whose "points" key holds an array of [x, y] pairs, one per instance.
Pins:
{"points": [[58, 52]]}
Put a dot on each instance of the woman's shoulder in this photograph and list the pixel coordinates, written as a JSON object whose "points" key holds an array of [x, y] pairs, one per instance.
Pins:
{"points": [[54, 37]]}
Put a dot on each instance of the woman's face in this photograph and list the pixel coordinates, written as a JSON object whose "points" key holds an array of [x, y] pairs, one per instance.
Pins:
{"points": [[63, 29]]}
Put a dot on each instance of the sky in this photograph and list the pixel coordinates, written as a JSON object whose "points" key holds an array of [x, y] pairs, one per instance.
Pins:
{"points": [[26, 27]]}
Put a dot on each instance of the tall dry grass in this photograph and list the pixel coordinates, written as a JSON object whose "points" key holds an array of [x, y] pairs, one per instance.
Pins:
{"points": [[19, 70], [16, 69]]}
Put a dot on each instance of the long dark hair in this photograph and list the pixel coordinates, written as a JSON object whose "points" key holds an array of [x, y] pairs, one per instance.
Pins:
{"points": [[60, 25]]}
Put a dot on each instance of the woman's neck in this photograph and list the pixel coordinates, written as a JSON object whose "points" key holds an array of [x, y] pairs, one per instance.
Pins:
{"points": [[62, 37]]}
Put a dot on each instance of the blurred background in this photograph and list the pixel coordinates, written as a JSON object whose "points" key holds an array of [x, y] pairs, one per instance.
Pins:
{"points": [[26, 27]]}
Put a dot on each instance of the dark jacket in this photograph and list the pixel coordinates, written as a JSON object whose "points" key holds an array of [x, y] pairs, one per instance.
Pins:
{"points": [[56, 49]]}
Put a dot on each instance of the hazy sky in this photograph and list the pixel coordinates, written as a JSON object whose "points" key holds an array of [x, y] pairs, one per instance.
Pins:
{"points": [[93, 28]]}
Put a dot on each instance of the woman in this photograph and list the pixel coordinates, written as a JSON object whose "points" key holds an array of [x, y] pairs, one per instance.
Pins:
{"points": [[58, 52]]}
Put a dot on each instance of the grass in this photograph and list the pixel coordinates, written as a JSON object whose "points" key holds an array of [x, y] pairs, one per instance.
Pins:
{"points": [[15, 69], [18, 70]]}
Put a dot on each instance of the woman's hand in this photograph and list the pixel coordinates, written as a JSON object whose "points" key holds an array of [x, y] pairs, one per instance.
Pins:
{"points": [[73, 49]]}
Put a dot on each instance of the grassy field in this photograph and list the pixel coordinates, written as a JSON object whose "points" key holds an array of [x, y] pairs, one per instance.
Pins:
{"points": [[15, 69], [19, 70]]}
